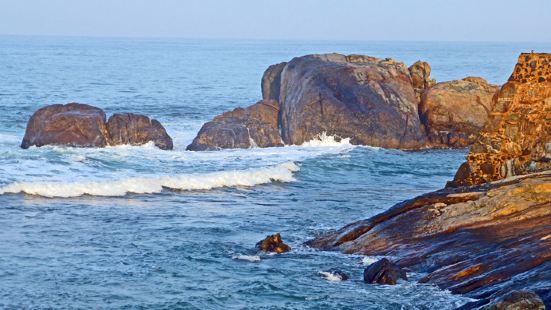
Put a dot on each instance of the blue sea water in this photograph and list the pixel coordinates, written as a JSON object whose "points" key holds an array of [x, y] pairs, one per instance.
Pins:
{"points": [[137, 227]]}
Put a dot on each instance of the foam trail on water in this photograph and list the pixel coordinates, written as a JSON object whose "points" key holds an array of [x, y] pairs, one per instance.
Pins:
{"points": [[324, 140], [148, 185]]}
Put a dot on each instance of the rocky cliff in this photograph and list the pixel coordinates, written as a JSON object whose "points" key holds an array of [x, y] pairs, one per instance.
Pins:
{"points": [[491, 238], [517, 136]]}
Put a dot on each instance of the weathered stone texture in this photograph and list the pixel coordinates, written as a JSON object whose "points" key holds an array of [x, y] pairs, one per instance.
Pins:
{"points": [[517, 137]]}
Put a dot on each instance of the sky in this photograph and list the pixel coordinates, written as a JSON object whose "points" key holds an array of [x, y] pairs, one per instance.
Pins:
{"points": [[393, 20]]}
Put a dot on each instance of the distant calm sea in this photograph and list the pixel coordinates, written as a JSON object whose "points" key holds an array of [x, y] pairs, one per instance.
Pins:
{"points": [[137, 227]]}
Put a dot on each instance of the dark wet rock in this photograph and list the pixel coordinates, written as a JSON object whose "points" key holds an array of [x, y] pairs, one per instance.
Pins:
{"points": [[135, 129], [271, 82], [254, 126], [82, 125], [370, 100], [384, 272], [488, 238], [72, 124], [455, 112], [273, 244], [517, 300]]}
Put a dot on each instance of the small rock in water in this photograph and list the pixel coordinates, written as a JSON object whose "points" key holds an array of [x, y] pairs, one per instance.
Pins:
{"points": [[273, 244], [334, 275], [517, 300], [384, 272]]}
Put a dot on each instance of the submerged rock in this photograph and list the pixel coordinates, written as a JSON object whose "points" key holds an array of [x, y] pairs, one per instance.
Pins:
{"points": [[72, 124], [384, 272], [82, 125], [517, 300], [454, 112], [482, 240], [135, 129], [369, 100], [334, 274], [273, 244], [254, 126]]}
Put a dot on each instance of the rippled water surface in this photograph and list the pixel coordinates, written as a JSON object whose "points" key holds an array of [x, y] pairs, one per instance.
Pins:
{"points": [[138, 227]]}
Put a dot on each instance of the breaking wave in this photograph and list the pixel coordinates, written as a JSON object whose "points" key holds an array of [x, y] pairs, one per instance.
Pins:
{"points": [[155, 184]]}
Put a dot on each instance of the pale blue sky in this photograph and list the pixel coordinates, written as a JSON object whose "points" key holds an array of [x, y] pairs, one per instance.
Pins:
{"points": [[423, 20]]}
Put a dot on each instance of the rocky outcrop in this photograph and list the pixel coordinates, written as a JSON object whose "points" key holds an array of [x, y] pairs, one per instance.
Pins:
{"points": [[82, 125], [255, 126], [72, 124], [384, 272], [135, 129], [273, 244], [487, 239], [517, 138], [372, 101], [455, 112], [271, 82], [367, 99]]}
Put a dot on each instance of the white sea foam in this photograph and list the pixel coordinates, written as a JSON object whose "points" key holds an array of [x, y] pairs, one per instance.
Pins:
{"points": [[249, 258], [154, 184], [368, 260], [329, 276], [324, 140]]}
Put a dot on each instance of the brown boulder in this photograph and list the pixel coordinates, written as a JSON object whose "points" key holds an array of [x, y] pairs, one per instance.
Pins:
{"points": [[135, 129], [420, 78], [517, 138], [454, 112], [82, 125], [384, 272], [72, 124], [256, 125], [367, 99], [273, 244]]}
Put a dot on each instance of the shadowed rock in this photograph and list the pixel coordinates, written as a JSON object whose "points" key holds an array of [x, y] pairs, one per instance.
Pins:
{"points": [[367, 99], [254, 126], [82, 125], [271, 82], [383, 272], [273, 244], [454, 112], [72, 124], [135, 129]]}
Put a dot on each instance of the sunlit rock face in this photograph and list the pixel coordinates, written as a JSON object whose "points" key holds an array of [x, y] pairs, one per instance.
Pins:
{"points": [[517, 137]]}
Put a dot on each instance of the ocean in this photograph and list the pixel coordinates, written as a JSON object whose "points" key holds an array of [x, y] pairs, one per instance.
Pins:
{"points": [[138, 227]]}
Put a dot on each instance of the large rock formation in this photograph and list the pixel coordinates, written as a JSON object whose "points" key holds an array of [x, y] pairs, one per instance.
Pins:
{"points": [[517, 137], [454, 112], [72, 124], [254, 126], [82, 125], [135, 129], [367, 99], [484, 240]]}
